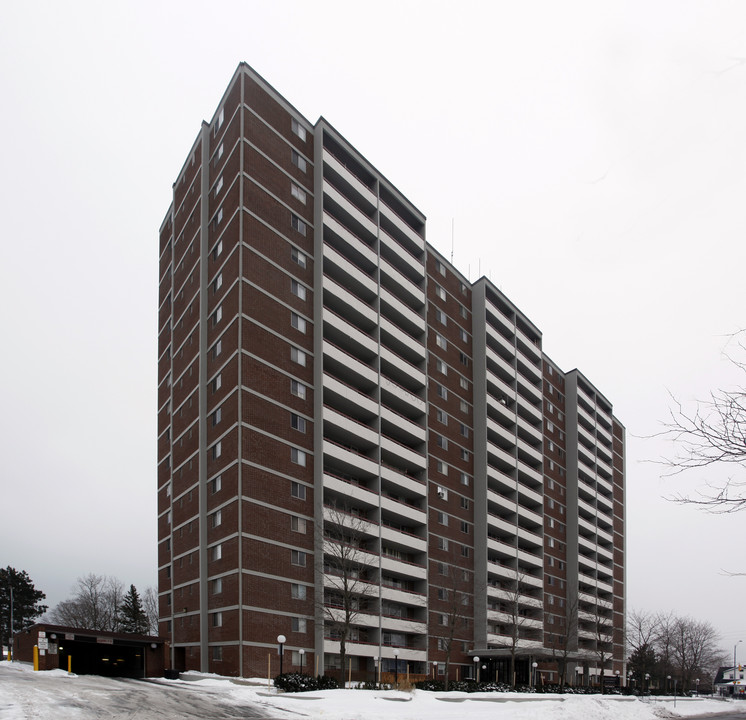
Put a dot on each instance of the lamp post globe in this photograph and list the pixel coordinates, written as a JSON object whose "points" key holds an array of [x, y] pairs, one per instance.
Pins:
{"points": [[301, 652], [280, 642], [396, 666]]}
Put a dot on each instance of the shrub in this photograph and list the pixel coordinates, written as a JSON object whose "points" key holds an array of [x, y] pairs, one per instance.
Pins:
{"points": [[326, 682]]}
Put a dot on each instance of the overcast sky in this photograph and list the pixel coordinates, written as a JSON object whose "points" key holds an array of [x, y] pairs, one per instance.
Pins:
{"points": [[590, 157]]}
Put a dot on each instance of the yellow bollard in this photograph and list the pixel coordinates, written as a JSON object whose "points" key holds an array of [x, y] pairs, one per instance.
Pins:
{"points": [[36, 658], [69, 664]]}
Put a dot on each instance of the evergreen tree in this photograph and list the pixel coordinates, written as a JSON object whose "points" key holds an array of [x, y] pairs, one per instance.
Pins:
{"points": [[26, 599], [132, 617]]}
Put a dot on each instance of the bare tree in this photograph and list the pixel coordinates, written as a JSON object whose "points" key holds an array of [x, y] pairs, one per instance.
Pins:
{"points": [[713, 432], [695, 650], [345, 566], [642, 628], [604, 641], [94, 605], [150, 605], [565, 639], [455, 612]]}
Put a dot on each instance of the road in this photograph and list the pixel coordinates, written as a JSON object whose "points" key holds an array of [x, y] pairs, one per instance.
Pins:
{"points": [[38, 696]]}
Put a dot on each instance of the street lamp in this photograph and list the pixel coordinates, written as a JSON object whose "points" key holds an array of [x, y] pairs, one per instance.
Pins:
{"points": [[647, 677], [534, 665], [280, 641], [476, 666], [668, 684], [301, 652], [697, 690], [396, 666], [376, 660], [435, 668], [578, 671]]}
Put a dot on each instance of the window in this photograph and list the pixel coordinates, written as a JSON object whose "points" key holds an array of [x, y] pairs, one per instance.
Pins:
{"points": [[464, 479], [217, 552], [298, 457], [217, 316], [297, 422], [297, 490], [298, 193], [462, 310], [464, 335], [217, 348], [442, 594], [297, 592], [464, 430], [218, 154], [219, 121], [217, 484], [440, 267], [298, 356], [218, 283], [441, 317], [218, 186], [297, 289], [217, 416], [297, 524], [442, 467], [298, 389], [464, 502], [440, 341], [217, 250], [217, 653], [298, 625], [443, 569], [441, 367], [297, 224], [442, 518], [442, 543], [441, 392], [464, 527], [217, 619], [298, 322], [217, 382], [464, 455], [217, 450], [465, 551], [298, 557], [441, 442], [298, 160], [298, 257], [464, 383], [440, 292], [463, 359], [462, 287], [442, 644], [216, 519], [217, 218], [298, 129], [217, 586], [464, 406], [441, 416]]}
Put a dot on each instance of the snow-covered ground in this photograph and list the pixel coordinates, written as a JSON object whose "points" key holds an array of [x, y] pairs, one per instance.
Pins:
{"points": [[25, 695]]}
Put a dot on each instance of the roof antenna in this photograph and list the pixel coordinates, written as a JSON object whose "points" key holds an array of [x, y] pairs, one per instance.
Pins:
{"points": [[452, 224]]}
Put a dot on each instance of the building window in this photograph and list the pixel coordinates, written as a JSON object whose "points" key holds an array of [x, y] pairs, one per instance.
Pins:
{"points": [[442, 467], [443, 569], [441, 317], [441, 442], [464, 406], [217, 250], [216, 518], [298, 457], [217, 552], [298, 160], [297, 289], [464, 455], [442, 543], [217, 619], [217, 586], [463, 359], [217, 348], [297, 490], [464, 502], [442, 518], [297, 422], [464, 527], [297, 592], [297, 224], [298, 257], [218, 186], [217, 416], [219, 121], [464, 383], [440, 267], [297, 524], [298, 322], [440, 391], [298, 129], [217, 653], [217, 316], [440, 341], [298, 356], [440, 292], [465, 551], [462, 310], [217, 449], [464, 335], [298, 193], [441, 367], [217, 484], [298, 625], [441, 416], [298, 389], [218, 282], [217, 218], [298, 557], [217, 382], [218, 154], [464, 430], [464, 479]]}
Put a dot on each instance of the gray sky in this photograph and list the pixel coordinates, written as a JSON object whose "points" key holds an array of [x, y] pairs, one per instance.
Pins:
{"points": [[590, 156]]}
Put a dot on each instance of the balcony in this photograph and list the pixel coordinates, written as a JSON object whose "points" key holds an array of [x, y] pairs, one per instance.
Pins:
{"points": [[409, 459], [401, 285], [402, 428], [401, 314], [347, 398], [402, 259], [417, 242], [348, 305], [351, 461], [410, 485], [414, 542], [403, 511], [352, 245], [347, 336], [347, 489], [401, 567], [401, 371], [352, 180], [354, 433], [349, 274], [402, 342], [348, 368], [359, 219], [401, 399]]}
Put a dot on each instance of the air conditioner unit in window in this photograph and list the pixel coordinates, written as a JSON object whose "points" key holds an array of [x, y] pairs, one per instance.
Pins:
{"points": [[442, 493]]}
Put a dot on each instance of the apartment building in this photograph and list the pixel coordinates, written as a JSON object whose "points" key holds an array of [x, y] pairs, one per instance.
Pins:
{"points": [[359, 449]]}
